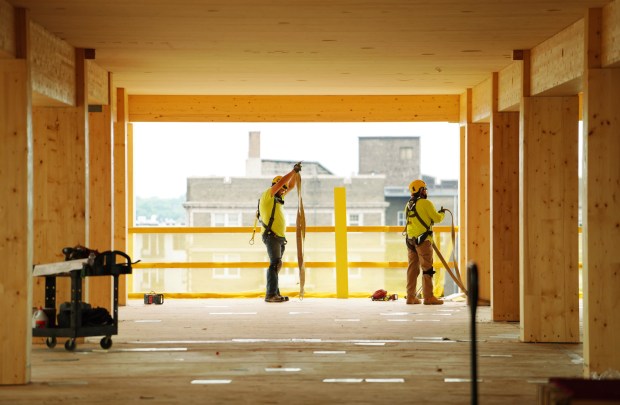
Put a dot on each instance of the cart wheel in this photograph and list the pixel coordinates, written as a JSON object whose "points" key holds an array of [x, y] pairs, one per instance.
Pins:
{"points": [[70, 345], [106, 342], [51, 342]]}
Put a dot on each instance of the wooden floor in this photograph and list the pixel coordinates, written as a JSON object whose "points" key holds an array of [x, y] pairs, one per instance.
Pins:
{"points": [[316, 351]]}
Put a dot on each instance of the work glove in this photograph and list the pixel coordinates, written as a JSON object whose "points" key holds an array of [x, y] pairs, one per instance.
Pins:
{"points": [[297, 167], [442, 210]]}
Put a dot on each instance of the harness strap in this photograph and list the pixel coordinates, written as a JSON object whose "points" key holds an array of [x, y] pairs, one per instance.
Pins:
{"points": [[258, 219]]}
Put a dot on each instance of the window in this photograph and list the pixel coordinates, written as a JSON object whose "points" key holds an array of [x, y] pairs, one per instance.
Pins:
{"points": [[355, 219], [406, 153], [226, 219], [400, 218]]}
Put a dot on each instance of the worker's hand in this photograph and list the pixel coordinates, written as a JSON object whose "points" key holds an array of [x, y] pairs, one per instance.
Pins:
{"points": [[297, 167], [442, 210]]}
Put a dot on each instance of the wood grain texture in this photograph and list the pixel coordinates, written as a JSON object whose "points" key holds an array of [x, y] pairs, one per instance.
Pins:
{"points": [[478, 203], [505, 216], [548, 200], [293, 108], [601, 216], [15, 217]]}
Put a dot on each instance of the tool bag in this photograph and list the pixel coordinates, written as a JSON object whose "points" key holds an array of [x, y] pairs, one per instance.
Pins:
{"points": [[153, 298]]}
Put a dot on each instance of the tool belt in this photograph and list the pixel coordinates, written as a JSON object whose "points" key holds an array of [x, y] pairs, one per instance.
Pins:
{"points": [[413, 242]]}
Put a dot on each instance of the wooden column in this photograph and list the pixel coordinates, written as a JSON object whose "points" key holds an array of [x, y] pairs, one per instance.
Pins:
{"points": [[601, 221], [504, 257], [120, 184], [100, 174], [60, 182], [505, 216], [548, 229], [465, 119], [478, 204], [600, 209], [16, 211]]}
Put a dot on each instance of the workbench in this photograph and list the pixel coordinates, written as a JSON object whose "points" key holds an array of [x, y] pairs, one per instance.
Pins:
{"points": [[103, 265]]}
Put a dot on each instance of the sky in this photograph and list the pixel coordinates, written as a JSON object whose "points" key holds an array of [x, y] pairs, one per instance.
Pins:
{"points": [[165, 154]]}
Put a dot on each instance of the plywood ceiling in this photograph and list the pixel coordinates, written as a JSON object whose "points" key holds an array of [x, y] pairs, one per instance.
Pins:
{"points": [[305, 47]]}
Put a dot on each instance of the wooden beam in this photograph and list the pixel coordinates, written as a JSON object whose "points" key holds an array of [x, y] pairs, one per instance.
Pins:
{"points": [[481, 101], [98, 88], [152, 108], [510, 86], [548, 229], [610, 34], [53, 70], [557, 63]]}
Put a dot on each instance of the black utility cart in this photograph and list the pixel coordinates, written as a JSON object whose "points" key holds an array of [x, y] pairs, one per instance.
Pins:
{"points": [[103, 264]]}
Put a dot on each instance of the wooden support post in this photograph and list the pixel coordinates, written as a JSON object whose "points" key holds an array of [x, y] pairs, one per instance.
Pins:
{"points": [[504, 219], [100, 158], [478, 204], [601, 216], [16, 211], [465, 114], [120, 184], [548, 229], [600, 211], [342, 258]]}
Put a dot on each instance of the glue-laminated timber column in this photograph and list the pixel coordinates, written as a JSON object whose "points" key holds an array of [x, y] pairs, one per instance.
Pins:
{"points": [[465, 119], [60, 183], [100, 170], [505, 216], [504, 257], [16, 211], [120, 184], [600, 209], [477, 186], [548, 229], [601, 221]]}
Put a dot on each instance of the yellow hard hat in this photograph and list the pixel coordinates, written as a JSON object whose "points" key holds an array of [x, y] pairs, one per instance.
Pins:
{"points": [[416, 185], [277, 179]]}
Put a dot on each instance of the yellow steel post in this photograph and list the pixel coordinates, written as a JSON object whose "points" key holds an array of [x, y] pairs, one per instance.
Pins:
{"points": [[340, 233]]}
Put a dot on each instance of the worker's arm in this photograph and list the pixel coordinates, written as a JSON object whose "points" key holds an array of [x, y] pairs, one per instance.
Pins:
{"points": [[289, 179]]}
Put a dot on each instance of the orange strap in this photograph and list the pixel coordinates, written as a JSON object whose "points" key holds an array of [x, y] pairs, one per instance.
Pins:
{"points": [[300, 234]]}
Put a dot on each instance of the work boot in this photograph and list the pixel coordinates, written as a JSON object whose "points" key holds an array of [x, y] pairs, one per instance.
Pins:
{"points": [[413, 300], [427, 285]]}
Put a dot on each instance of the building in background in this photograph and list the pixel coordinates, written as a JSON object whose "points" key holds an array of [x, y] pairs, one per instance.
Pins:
{"points": [[375, 197]]}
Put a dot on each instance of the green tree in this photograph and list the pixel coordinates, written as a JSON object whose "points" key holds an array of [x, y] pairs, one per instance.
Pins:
{"points": [[163, 209]]}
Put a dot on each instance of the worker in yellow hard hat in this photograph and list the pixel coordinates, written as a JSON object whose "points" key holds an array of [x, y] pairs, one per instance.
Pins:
{"points": [[420, 214], [273, 220]]}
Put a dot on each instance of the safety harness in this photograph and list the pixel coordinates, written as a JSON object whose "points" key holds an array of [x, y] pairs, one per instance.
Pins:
{"points": [[300, 232], [258, 219], [421, 238]]}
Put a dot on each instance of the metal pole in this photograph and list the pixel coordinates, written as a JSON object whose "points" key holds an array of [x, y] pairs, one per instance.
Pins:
{"points": [[472, 288]]}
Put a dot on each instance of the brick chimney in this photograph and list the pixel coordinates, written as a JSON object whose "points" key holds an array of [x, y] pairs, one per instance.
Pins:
{"points": [[253, 162]]}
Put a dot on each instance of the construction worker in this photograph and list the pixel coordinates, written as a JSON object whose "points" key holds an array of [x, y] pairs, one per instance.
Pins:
{"points": [[271, 215], [420, 214]]}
